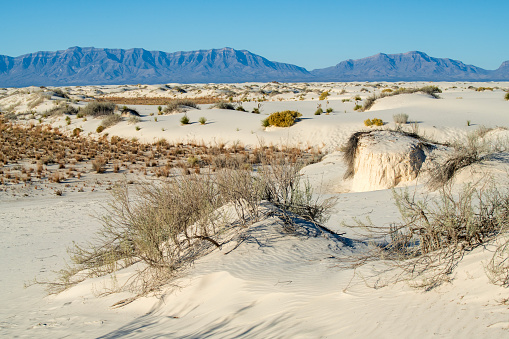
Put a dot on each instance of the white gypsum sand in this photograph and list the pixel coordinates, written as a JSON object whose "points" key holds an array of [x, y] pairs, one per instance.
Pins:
{"points": [[274, 284]]}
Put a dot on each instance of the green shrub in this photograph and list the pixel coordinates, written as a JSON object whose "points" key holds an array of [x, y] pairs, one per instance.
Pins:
{"points": [[240, 108], [184, 120], [265, 122], [357, 107], [137, 128], [373, 122], [96, 109], [202, 120], [318, 111], [324, 95], [283, 119], [99, 129], [329, 110], [256, 110], [506, 96]]}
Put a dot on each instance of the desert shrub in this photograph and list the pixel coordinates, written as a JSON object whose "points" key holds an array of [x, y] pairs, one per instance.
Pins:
{"points": [[435, 235], [357, 107], [324, 95], [223, 105], [283, 119], [387, 90], [100, 128], [96, 109], [462, 155], [400, 118], [111, 120], [167, 225], [60, 93], [482, 89], [202, 120], [180, 105], [506, 97], [265, 122], [133, 120], [240, 108], [76, 132], [62, 109], [373, 122], [318, 111], [329, 110], [184, 120], [98, 165]]}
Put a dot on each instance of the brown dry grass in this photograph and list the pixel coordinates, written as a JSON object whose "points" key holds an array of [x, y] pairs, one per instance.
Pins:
{"points": [[155, 100]]}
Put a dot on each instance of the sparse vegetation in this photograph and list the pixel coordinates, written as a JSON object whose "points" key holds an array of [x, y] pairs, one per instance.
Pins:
{"points": [[111, 120], [506, 97], [202, 120], [318, 111], [324, 95], [223, 105], [400, 119], [430, 90], [96, 109], [180, 105]]}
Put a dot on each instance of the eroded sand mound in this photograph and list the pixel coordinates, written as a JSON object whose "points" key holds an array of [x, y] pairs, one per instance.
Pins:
{"points": [[383, 159]]}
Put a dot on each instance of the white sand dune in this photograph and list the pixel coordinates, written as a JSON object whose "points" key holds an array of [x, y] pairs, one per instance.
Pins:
{"points": [[275, 284]]}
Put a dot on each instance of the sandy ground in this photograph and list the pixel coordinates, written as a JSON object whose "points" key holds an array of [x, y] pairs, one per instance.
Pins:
{"points": [[274, 285]]}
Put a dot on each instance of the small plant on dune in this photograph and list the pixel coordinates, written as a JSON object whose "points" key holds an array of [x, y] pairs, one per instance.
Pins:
{"points": [[329, 110], [180, 105], [265, 122], [506, 97], [284, 118], [240, 108], [373, 122], [184, 120], [137, 128], [133, 120], [98, 165], [400, 118], [99, 129], [76, 132], [357, 107], [318, 111], [202, 120], [68, 120], [96, 109], [324, 95], [111, 120], [223, 105]]}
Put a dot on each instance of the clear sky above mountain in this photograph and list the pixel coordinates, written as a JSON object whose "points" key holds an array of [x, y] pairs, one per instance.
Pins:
{"points": [[311, 34]]}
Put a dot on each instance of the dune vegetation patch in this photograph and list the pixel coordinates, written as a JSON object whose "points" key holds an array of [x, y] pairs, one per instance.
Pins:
{"points": [[432, 91]]}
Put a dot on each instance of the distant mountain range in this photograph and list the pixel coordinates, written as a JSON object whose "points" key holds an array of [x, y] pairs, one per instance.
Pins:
{"points": [[100, 66]]}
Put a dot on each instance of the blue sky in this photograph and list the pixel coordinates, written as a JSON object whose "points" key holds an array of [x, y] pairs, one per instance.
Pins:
{"points": [[311, 34]]}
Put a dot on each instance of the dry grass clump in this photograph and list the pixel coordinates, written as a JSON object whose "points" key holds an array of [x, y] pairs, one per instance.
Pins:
{"points": [[63, 109], [430, 90], [111, 120], [96, 109], [474, 150], [223, 105], [155, 100], [180, 105], [400, 118]]}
